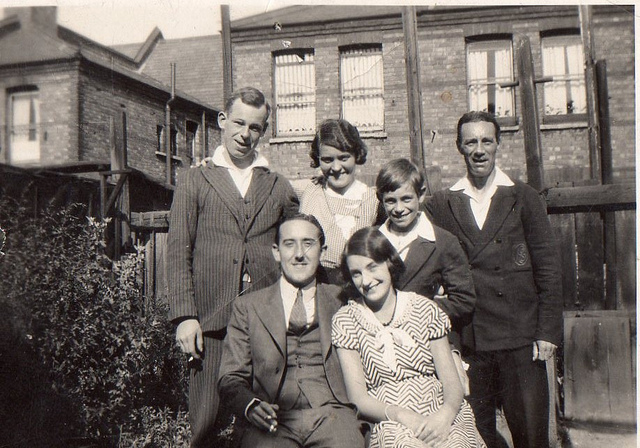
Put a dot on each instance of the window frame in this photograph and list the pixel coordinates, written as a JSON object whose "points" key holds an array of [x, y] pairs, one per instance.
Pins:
{"points": [[568, 37], [351, 52], [33, 94], [306, 57], [486, 44]]}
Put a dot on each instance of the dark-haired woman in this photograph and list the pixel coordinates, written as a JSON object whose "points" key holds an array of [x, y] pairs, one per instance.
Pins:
{"points": [[395, 356], [341, 203]]}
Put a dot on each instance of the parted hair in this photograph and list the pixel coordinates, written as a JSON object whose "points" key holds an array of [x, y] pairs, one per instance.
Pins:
{"points": [[475, 117], [369, 242], [397, 173], [341, 135], [249, 96], [301, 217]]}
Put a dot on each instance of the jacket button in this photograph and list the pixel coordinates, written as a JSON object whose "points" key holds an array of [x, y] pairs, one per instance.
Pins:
{"points": [[498, 240], [499, 294], [235, 261]]}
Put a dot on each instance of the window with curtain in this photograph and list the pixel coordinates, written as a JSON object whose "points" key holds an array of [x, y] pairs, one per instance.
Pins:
{"points": [[24, 127], [295, 93], [362, 84], [490, 64], [562, 59]]}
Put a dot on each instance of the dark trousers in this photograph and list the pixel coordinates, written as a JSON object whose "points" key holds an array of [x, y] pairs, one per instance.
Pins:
{"points": [[204, 399], [510, 378], [328, 426]]}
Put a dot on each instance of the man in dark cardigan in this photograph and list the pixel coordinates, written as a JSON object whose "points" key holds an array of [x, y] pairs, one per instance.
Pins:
{"points": [[503, 226], [223, 221]]}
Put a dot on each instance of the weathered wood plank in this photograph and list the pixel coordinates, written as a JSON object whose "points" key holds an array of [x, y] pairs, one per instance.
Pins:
{"points": [[564, 227], [625, 263], [590, 253], [157, 221], [598, 381], [591, 198]]}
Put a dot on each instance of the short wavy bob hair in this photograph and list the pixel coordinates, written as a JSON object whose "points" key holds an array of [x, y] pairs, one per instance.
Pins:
{"points": [[341, 135]]}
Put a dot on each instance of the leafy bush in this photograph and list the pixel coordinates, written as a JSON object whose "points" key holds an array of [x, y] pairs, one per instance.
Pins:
{"points": [[102, 353]]}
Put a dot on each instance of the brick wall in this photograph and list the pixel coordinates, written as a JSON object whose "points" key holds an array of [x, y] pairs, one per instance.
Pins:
{"points": [[103, 96], [444, 96], [57, 92]]}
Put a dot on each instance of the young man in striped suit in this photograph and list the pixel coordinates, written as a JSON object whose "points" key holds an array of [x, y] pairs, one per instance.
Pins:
{"points": [[223, 222]]}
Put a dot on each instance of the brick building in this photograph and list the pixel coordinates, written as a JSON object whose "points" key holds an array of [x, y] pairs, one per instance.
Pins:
{"points": [[69, 101], [318, 62]]}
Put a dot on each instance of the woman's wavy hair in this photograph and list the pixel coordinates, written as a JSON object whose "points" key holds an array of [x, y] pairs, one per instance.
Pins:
{"points": [[341, 135]]}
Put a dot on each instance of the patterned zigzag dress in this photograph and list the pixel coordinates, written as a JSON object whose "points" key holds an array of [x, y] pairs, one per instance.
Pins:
{"points": [[413, 384]]}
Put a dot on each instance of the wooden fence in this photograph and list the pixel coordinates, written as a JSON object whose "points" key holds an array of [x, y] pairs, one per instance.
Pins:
{"points": [[595, 226]]}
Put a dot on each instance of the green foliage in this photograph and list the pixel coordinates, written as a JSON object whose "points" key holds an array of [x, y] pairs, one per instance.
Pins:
{"points": [[99, 345]]}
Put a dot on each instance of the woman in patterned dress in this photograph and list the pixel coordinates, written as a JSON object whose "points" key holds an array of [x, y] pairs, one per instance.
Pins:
{"points": [[341, 203], [395, 356]]}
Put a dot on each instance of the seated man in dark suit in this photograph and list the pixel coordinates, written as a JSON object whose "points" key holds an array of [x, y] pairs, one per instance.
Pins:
{"points": [[279, 373]]}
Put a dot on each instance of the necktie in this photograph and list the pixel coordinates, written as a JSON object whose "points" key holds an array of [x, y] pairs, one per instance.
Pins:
{"points": [[298, 318]]}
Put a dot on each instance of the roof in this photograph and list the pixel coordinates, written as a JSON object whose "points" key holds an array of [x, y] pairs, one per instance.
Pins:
{"points": [[24, 42], [15, 38], [198, 64], [315, 13]]}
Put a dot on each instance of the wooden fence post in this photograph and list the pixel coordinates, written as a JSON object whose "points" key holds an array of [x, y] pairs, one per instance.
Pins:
{"points": [[530, 118]]}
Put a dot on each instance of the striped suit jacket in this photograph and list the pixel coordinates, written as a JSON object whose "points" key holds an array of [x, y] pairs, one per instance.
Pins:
{"points": [[214, 232]]}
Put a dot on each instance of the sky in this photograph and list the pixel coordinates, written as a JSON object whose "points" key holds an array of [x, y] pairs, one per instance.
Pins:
{"points": [[112, 22]]}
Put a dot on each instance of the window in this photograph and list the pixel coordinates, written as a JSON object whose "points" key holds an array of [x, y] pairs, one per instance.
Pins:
{"points": [[563, 60], [161, 140], [295, 93], [24, 127], [191, 130], [362, 83], [489, 64]]}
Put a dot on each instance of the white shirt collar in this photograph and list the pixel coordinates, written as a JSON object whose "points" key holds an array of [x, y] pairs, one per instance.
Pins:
{"points": [[465, 185], [288, 293], [423, 229], [221, 158], [355, 191]]}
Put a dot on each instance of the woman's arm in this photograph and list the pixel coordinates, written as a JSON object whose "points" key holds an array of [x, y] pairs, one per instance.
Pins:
{"points": [[368, 407], [436, 426]]}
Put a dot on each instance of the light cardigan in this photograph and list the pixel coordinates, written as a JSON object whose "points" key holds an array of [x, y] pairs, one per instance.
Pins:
{"points": [[314, 201]]}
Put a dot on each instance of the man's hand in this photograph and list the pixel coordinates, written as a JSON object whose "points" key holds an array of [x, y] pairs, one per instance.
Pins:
{"points": [[263, 415], [189, 337], [543, 350]]}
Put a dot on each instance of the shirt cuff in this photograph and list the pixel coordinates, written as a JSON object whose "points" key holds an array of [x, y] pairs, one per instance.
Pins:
{"points": [[252, 403]]}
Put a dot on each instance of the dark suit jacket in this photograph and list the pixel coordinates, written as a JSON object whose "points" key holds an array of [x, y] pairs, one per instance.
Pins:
{"points": [[515, 266], [441, 263], [213, 231], [255, 349]]}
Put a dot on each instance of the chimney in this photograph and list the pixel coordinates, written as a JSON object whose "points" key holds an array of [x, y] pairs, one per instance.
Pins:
{"points": [[43, 17]]}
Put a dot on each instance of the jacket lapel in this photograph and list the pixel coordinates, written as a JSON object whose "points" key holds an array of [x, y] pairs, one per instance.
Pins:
{"points": [[260, 189], [220, 179], [272, 316], [419, 253], [501, 206], [461, 210], [325, 313]]}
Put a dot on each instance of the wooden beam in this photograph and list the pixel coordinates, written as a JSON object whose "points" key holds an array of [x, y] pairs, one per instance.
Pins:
{"points": [[591, 88], [227, 60], [414, 94], [591, 198], [530, 117], [157, 221]]}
